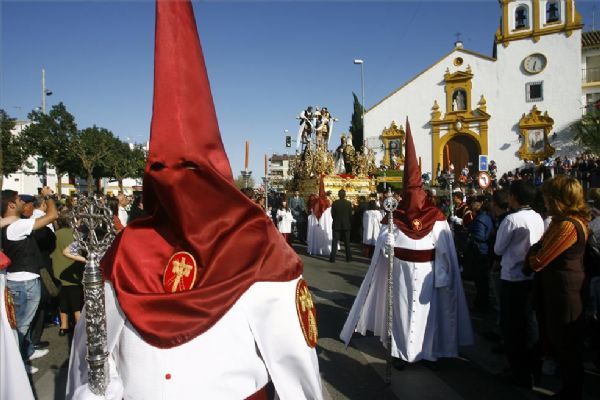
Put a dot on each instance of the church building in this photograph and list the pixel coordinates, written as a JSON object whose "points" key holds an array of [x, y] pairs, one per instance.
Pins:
{"points": [[514, 106]]}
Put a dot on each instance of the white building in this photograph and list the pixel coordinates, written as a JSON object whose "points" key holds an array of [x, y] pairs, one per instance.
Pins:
{"points": [[513, 106], [279, 167], [590, 69]]}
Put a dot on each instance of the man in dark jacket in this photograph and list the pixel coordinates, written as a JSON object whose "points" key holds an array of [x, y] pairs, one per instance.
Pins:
{"points": [[341, 213]]}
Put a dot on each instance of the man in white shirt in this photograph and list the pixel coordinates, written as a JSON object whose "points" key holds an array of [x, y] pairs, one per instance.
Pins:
{"points": [[39, 209], [517, 232], [23, 279], [123, 202]]}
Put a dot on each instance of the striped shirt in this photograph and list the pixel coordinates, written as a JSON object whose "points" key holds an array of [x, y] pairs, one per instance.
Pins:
{"points": [[560, 236]]}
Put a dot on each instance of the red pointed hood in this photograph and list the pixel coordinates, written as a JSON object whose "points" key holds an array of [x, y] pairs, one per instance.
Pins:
{"points": [[415, 215], [322, 202], [193, 204]]}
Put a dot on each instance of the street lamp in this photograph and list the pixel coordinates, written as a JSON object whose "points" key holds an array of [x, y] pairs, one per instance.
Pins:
{"points": [[360, 62], [45, 92]]}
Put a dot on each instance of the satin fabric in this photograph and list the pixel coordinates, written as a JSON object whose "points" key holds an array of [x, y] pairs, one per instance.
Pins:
{"points": [[322, 202], [193, 205], [414, 204]]}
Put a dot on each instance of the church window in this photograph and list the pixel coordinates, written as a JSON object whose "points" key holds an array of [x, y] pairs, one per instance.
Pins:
{"points": [[458, 61], [552, 11], [534, 91], [522, 17]]}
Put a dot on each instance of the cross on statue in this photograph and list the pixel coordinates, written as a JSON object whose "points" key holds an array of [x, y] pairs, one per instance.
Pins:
{"points": [[457, 34]]}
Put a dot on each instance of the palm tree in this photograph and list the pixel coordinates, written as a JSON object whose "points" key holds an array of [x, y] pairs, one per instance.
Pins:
{"points": [[587, 131]]}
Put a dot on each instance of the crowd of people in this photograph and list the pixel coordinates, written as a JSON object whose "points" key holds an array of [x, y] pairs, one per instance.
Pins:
{"points": [[45, 268], [531, 249], [533, 254], [218, 283], [584, 167]]}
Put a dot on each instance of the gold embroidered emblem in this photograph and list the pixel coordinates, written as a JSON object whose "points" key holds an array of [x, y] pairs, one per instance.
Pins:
{"points": [[10, 309], [181, 273], [307, 314], [417, 224]]}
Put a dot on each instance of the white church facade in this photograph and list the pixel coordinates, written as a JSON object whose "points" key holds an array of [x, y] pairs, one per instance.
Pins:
{"points": [[514, 106]]}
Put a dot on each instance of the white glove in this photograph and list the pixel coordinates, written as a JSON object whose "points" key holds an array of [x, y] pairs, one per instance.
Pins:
{"points": [[114, 391], [456, 220]]}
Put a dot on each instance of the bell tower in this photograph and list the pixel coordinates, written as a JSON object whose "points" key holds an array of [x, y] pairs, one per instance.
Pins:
{"points": [[531, 19]]}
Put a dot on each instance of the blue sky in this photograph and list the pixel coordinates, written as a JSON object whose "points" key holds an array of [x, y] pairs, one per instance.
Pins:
{"points": [[267, 60]]}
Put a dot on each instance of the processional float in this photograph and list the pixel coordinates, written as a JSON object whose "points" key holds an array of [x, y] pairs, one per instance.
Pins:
{"points": [[345, 168]]}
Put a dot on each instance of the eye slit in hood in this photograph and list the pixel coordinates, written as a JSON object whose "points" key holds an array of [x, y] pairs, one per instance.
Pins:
{"points": [[157, 166], [189, 165]]}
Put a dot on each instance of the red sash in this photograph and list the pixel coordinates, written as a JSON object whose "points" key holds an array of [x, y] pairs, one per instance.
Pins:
{"points": [[414, 255], [266, 393]]}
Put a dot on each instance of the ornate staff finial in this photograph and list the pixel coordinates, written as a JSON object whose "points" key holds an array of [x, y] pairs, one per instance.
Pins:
{"points": [[94, 232]]}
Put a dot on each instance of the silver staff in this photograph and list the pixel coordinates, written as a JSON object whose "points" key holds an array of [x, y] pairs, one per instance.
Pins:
{"points": [[390, 204], [94, 232]]}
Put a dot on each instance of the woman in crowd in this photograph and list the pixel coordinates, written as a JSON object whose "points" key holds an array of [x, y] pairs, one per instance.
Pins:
{"points": [[70, 273], [113, 204], [284, 221], [557, 260], [592, 268]]}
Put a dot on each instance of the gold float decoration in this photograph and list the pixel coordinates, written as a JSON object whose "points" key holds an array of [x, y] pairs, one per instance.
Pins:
{"points": [[393, 139], [534, 129]]}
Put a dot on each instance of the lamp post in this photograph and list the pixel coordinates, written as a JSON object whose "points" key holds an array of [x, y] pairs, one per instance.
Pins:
{"points": [[266, 183], [245, 173], [360, 62], [45, 92]]}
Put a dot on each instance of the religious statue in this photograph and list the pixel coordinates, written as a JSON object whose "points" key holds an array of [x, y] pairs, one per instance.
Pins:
{"points": [[324, 125], [458, 103], [340, 166], [306, 126], [349, 155], [395, 162]]}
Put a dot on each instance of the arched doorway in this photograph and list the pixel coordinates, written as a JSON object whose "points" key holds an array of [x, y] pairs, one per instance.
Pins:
{"points": [[462, 150]]}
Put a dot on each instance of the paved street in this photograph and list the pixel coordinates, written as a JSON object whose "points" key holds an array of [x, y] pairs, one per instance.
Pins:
{"points": [[357, 372]]}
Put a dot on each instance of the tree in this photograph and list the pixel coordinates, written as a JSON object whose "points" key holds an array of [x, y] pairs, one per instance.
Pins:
{"points": [[356, 126], [240, 183], [93, 146], [125, 161], [587, 131], [13, 152], [49, 136]]}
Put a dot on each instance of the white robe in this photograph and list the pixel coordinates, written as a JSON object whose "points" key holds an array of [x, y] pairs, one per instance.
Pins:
{"points": [[14, 383], [257, 340], [430, 314], [371, 226], [284, 221], [320, 234]]}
